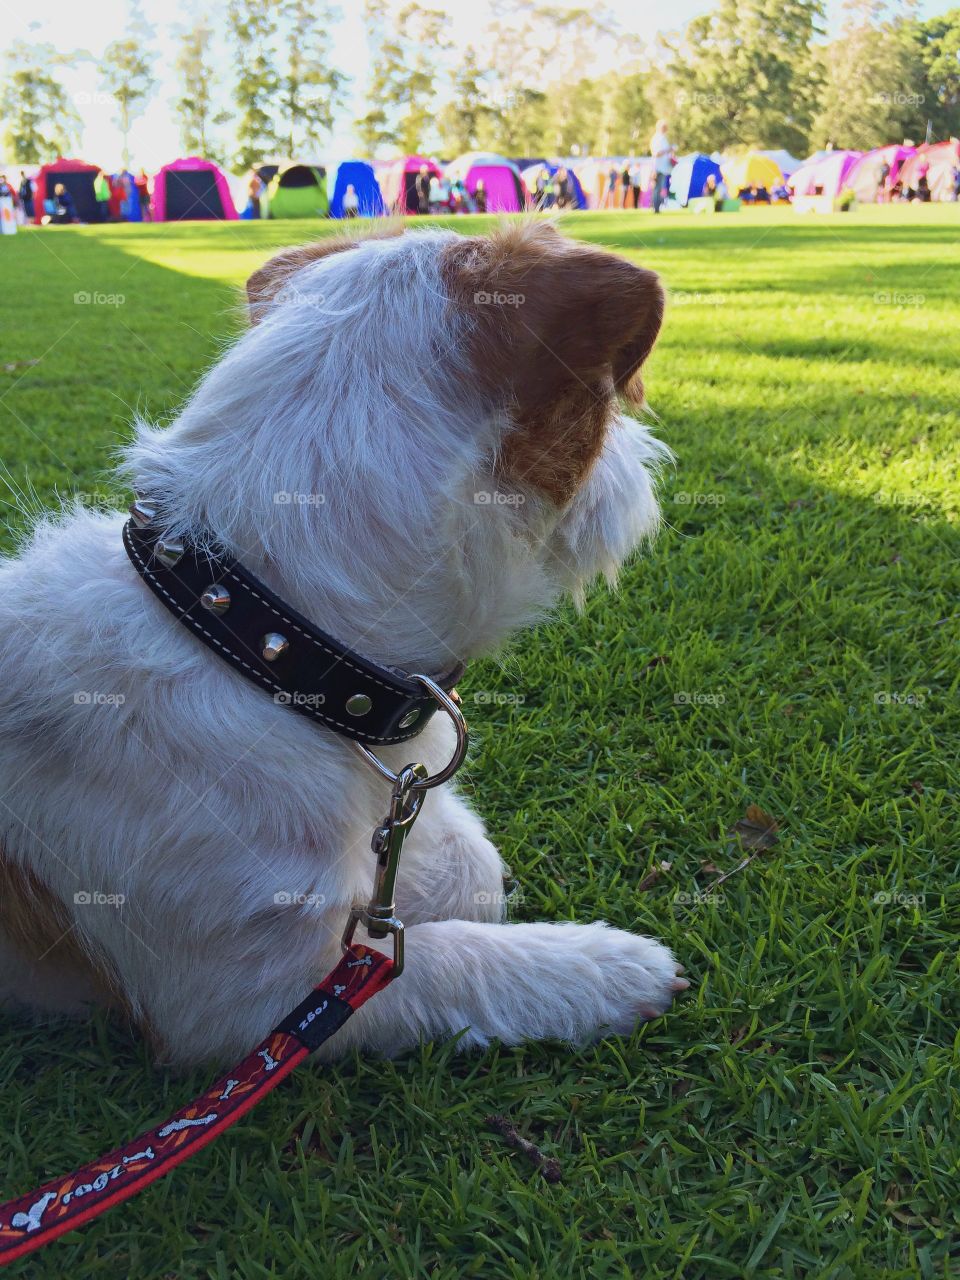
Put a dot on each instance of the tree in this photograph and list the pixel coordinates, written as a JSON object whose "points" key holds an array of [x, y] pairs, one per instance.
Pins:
{"points": [[40, 121], [126, 68], [744, 75], [194, 107], [406, 68], [463, 119], [873, 81], [938, 44], [252, 25], [310, 85]]}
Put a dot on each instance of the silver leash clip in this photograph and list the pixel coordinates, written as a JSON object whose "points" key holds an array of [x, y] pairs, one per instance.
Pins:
{"points": [[409, 791]]}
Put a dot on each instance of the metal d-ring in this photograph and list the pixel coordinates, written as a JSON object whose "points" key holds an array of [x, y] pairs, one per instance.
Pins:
{"points": [[460, 751]]}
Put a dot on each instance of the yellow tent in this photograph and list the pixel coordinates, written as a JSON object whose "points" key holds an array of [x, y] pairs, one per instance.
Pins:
{"points": [[751, 170]]}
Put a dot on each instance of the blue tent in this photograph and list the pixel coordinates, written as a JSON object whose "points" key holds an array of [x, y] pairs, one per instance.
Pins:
{"points": [[533, 171], [359, 175], [690, 175]]}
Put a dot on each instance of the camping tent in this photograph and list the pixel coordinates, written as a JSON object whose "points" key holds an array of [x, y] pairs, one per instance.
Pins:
{"points": [[191, 188], [359, 175], [297, 191], [864, 176], [77, 177], [501, 179], [690, 174], [532, 172], [398, 181], [824, 177], [784, 161], [941, 158], [751, 170]]}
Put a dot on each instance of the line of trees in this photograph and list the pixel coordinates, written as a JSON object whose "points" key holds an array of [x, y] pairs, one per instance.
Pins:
{"points": [[748, 73]]}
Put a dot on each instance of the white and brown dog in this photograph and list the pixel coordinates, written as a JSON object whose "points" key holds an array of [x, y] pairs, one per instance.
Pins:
{"points": [[173, 841]]}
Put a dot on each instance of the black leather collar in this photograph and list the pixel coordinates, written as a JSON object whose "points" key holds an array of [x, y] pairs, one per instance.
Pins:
{"points": [[249, 627]]}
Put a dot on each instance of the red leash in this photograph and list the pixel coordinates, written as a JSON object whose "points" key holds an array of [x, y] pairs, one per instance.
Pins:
{"points": [[67, 1202]]}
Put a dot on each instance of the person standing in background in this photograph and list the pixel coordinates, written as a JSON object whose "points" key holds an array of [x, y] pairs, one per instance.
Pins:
{"points": [[662, 151], [101, 193], [143, 195], [351, 202], [26, 196], [422, 188]]}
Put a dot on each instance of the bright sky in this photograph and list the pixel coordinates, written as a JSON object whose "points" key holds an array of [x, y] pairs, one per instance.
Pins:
{"points": [[74, 24]]}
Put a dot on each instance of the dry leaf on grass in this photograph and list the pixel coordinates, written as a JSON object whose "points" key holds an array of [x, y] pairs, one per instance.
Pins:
{"points": [[756, 829], [651, 878]]}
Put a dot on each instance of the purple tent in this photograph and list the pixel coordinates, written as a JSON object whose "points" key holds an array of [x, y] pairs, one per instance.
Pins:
{"points": [[502, 180], [824, 177]]}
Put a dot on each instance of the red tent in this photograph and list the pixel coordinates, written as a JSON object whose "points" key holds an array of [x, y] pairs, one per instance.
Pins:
{"points": [[398, 183], [77, 177]]}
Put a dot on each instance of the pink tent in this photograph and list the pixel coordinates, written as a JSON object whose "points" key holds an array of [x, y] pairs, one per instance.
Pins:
{"points": [[502, 180], [397, 182], [191, 188], [826, 176], [864, 176], [941, 158]]}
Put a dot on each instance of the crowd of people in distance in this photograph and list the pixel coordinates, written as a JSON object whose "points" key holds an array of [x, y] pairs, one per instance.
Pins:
{"points": [[114, 194], [436, 194]]}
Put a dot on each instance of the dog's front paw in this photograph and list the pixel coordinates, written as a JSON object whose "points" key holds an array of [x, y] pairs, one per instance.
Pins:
{"points": [[639, 978], [578, 982]]}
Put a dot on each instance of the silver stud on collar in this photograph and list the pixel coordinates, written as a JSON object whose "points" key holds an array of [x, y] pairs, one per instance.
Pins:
{"points": [[143, 513], [410, 718], [168, 552], [274, 644], [358, 704], [216, 599]]}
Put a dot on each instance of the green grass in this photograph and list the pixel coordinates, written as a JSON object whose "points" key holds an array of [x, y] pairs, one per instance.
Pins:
{"points": [[797, 1114]]}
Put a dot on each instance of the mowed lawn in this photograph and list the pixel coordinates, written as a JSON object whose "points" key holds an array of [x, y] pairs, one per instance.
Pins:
{"points": [[790, 643]]}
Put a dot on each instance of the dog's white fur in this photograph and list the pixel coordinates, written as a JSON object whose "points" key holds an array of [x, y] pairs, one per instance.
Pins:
{"points": [[197, 798]]}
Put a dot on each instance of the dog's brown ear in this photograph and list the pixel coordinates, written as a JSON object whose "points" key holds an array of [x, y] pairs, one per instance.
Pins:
{"points": [[267, 281], [559, 326]]}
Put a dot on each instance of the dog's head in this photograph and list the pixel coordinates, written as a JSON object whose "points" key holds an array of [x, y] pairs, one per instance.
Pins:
{"points": [[419, 438]]}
